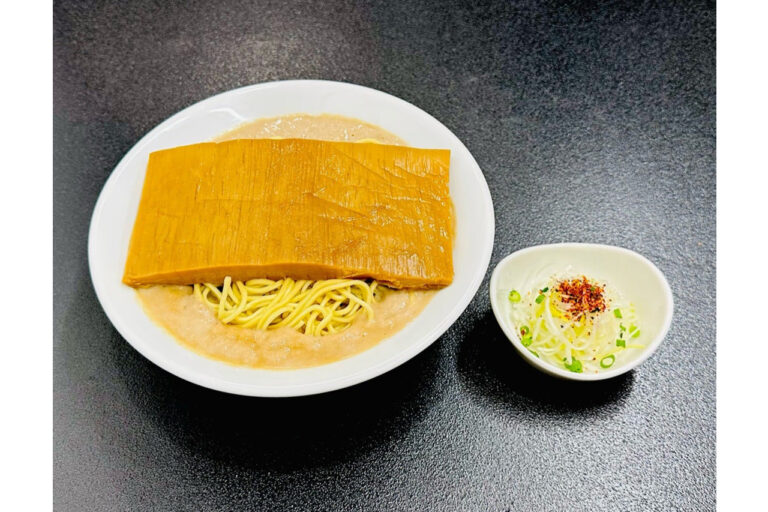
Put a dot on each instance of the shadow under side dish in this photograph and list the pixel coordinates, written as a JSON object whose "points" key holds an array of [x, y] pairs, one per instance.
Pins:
{"points": [[276, 208]]}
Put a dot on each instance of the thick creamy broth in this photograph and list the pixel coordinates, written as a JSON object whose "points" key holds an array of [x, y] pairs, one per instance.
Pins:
{"points": [[195, 326], [304, 126], [192, 323]]}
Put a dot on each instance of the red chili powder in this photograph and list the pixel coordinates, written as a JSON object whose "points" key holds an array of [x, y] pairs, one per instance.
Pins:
{"points": [[582, 296]]}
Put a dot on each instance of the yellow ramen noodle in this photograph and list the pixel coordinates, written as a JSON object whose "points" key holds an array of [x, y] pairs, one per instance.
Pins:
{"points": [[316, 308]]}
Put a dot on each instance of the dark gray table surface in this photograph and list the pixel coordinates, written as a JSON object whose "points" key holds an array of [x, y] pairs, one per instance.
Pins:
{"points": [[592, 121]]}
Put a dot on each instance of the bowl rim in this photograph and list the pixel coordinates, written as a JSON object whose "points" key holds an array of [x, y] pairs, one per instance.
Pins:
{"points": [[558, 372]]}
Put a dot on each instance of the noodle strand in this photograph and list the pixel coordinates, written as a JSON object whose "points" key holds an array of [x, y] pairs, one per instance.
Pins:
{"points": [[316, 308]]}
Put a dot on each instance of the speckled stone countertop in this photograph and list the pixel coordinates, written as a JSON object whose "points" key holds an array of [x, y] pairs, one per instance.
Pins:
{"points": [[592, 121]]}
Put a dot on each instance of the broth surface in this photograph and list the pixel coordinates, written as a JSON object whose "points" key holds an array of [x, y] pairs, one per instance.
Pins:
{"points": [[196, 327]]}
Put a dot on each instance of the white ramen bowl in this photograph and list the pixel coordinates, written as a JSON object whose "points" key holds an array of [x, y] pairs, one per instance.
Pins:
{"points": [[636, 278], [115, 211]]}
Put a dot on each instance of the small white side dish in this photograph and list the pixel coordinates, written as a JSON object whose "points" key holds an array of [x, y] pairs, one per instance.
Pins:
{"points": [[639, 280]]}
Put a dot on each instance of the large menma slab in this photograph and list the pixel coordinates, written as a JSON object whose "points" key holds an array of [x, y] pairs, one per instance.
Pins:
{"points": [[306, 209]]}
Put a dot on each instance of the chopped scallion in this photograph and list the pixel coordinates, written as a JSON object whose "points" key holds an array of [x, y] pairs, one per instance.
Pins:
{"points": [[526, 341], [540, 298], [514, 296], [617, 313], [532, 352], [544, 290], [621, 343], [575, 365], [524, 330], [607, 361]]}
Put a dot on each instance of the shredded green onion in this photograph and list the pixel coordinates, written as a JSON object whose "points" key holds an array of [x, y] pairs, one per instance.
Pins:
{"points": [[589, 343]]}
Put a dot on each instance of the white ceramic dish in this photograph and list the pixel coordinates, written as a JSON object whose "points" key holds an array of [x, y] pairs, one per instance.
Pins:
{"points": [[115, 212], [639, 280]]}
